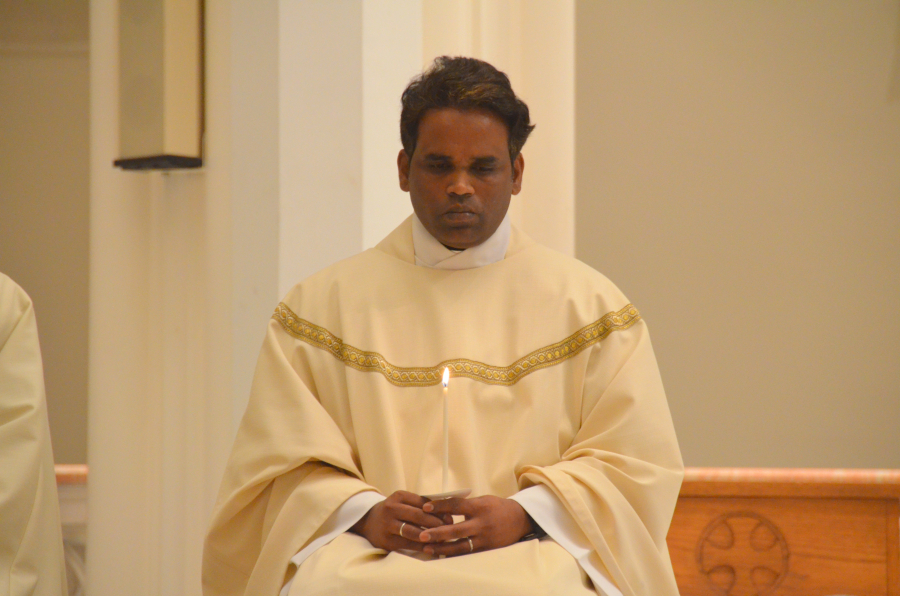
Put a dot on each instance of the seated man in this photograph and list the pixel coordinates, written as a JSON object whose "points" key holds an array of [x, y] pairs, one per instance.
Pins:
{"points": [[557, 417]]}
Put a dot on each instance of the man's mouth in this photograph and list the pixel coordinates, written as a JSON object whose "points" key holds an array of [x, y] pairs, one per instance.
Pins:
{"points": [[460, 217]]}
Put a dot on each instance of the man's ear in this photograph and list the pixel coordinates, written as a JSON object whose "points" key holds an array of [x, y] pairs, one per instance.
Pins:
{"points": [[403, 170], [518, 169]]}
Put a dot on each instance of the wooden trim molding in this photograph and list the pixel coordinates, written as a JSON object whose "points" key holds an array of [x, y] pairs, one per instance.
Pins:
{"points": [[71, 473], [715, 481], [790, 482]]}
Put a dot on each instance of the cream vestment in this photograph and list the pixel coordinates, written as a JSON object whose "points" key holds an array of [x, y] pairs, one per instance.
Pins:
{"points": [[31, 549], [554, 385]]}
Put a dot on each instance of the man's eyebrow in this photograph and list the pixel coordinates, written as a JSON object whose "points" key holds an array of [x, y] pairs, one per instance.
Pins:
{"points": [[486, 160]]}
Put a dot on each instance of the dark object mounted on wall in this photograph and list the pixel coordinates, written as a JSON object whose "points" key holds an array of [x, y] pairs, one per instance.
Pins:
{"points": [[160, 84]]}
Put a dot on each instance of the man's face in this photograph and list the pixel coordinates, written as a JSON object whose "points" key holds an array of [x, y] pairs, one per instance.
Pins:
{"points": [[460, 178]]}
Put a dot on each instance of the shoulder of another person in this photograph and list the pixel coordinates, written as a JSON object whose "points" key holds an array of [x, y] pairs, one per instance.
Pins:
{"points": [[14, 303]]}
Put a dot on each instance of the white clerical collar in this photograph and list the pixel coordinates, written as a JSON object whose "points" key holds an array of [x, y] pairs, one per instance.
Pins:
{"points": [[431, 253]]}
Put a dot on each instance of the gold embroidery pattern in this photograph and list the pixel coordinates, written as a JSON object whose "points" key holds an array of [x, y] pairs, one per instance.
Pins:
{"points": [[405, 376]]}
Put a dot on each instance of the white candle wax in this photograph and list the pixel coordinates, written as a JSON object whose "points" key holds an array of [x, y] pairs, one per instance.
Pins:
{"points": [[446, 470]]}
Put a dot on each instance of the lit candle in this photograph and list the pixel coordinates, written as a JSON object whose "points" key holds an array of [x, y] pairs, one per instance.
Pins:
{"points": [[446, 471]]}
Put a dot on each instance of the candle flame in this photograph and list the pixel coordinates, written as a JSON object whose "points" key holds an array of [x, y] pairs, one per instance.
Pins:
{"points": [[446, 379]]}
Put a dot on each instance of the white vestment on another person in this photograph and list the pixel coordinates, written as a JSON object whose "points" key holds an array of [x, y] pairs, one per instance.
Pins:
{"points": [[555, 392], [31, 549]]}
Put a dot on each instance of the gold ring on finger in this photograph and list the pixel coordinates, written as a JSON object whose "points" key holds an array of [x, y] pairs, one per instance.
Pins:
{"points": [[401, 529], [471, 546]]}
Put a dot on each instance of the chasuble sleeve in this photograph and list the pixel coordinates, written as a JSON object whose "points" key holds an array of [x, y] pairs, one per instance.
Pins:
{"points": [[619, 479], [31, 549], [289, 470]]}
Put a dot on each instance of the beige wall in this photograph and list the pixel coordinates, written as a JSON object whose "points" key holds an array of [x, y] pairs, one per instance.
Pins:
{"points": [[738, 176], [44, 195]]}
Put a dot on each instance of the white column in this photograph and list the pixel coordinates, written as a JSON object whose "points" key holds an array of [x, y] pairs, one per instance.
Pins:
{"points": [[392, 50], [176, 417], [119, 352], [244, 176], [342, 68], [320, 104], [183, 279]]}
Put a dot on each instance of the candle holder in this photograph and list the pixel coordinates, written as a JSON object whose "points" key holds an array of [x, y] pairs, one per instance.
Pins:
{"points": [[460, 493]]}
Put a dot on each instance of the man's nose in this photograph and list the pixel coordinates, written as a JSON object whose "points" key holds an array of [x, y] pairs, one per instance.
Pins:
{"points": [[460, 184]]}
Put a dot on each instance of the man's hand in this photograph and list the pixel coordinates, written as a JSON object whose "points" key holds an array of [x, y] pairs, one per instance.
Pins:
{"points": [[491, 522], [400, 512]]}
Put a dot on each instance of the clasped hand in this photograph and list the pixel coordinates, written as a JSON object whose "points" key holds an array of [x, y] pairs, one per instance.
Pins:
{"points": [[406, 521]]}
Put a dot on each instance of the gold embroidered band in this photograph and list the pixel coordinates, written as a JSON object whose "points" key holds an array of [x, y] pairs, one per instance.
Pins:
{"points": [[405, 376]]}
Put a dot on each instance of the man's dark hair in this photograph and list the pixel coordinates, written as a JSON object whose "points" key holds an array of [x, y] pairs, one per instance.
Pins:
{"points": [[463, 84]]}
